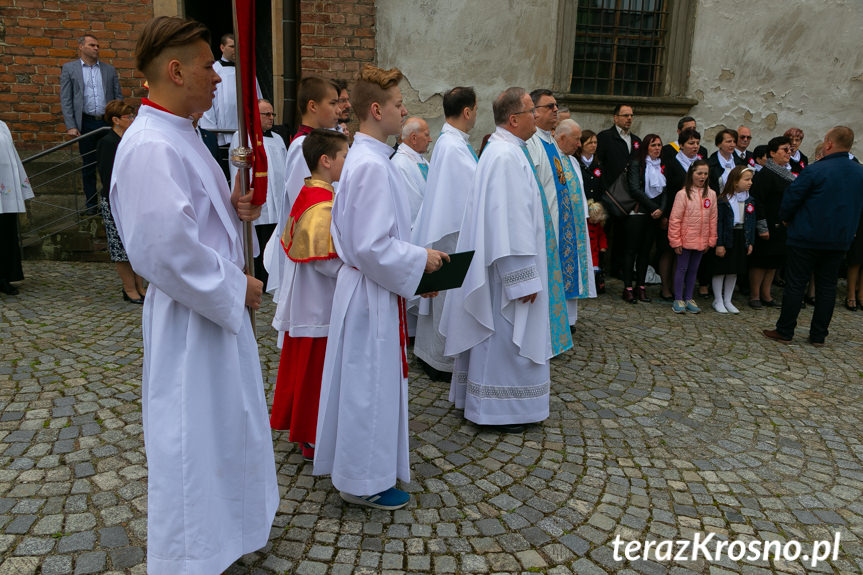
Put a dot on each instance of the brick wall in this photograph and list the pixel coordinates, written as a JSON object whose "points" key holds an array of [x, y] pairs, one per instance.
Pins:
{"points": [[41, 35], [336, 37]]}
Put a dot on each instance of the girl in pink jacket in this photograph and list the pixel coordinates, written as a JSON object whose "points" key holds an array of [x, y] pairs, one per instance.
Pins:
{"points": [[691, 232]]}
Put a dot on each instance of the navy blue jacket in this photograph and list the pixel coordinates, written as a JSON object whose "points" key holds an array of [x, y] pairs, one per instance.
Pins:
{"points": [[823, 205], [725, 223]]}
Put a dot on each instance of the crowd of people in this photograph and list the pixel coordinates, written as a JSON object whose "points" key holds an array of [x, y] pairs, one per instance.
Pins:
{"points": [[352, 226]]}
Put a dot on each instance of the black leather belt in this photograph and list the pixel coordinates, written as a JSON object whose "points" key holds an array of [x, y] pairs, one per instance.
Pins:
{"points": [[94, 118]]}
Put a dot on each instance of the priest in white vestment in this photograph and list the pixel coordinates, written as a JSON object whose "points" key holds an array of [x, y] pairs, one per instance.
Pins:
{"points": [[362, 434], [497, 324], [277, 155], [222, 115], [410, 161], [563, 193], [211, 490], [318, 101], [453, 165]]}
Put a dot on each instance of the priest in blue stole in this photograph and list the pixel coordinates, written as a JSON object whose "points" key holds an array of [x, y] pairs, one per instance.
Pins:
{"points": [[565, 198]]}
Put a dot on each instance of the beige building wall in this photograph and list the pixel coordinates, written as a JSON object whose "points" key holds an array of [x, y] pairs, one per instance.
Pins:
{"points": [[768, 65]]}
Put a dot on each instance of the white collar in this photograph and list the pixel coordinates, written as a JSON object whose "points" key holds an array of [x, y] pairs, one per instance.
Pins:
{"points": [[450, 129], [620, 131], [508, 137], [741, 153], [375, 145], [544, 135], [83, 63], [411, 153]]}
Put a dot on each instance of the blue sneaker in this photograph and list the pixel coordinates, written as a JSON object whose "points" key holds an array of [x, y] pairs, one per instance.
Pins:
{"points": [[390, 499], [692, 307], [678, 306]]}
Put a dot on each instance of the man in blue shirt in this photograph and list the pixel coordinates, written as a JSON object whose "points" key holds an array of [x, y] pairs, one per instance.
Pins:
{"points": [[86, 85], [821, 210]]}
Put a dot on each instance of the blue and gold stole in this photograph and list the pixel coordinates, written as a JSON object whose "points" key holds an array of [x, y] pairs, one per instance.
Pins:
{"points": [[561, 339], [572, 228]]}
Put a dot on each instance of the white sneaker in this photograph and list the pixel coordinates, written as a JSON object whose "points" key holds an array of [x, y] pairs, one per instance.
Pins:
{"points": [[719, 306], [730, 307]]}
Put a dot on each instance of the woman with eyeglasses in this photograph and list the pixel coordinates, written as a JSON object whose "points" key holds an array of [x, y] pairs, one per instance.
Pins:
{"points": [[768, 255], [120, 116], [798, 159]]}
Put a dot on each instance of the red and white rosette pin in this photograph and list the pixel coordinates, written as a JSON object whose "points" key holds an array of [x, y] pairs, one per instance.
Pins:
{"points": [[706, 203], [636, 145], [597, 172], [750, 209]]}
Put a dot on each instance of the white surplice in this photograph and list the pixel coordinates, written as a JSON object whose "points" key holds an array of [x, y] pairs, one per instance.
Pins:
{"points": [[362, 433], [408, 162], [547, 175], [223, 114], [501, 374], [296, 172], [14, 185], [212, 492], [276, 157], [451, 173]]}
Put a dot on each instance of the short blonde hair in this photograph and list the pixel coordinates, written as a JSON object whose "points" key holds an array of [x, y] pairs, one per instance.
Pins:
{"points": [[596, 211], [372, 86]]}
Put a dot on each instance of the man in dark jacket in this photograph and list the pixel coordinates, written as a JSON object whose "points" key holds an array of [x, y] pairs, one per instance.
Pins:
{"points": [[821, 210], [615, 146]]}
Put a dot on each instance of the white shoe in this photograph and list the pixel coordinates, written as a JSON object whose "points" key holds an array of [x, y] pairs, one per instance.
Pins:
{"points": [[730, 307], [719, 306]]}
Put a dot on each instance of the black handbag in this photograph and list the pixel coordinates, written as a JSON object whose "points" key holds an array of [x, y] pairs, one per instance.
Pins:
{"points": [[616, 198]]}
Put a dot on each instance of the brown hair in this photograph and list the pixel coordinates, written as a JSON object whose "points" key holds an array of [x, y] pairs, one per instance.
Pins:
{"points": [[734, 176], [322, 142], [165, 32], [690, 181], [508, 103], [372, 86], [842, 137], [117, 109], [313, 89]]}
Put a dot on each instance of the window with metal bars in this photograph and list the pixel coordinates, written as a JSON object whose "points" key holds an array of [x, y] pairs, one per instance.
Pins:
{"points": [[620, 47]]}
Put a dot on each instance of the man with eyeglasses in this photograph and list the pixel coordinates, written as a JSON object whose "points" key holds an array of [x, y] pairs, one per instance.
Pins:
{"points": [[344, 107], [566, 203], [277, 155], [615, 146], [86, 85], [497, 324], [742, 156]]}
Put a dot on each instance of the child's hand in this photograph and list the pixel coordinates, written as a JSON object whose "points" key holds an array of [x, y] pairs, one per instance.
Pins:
{"points": [[678, 251], [764, 236], [720, 251], [603, 250], [749, 250]]}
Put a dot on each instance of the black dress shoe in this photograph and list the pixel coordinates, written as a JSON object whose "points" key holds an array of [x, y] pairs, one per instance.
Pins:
{"points": [[126, 297], [775, 336], [512, 427], [771, 303], [8, 288], [435, 374]]}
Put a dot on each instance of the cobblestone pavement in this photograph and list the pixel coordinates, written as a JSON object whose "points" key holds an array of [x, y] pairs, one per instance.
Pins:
{"points": [[662, 427]]}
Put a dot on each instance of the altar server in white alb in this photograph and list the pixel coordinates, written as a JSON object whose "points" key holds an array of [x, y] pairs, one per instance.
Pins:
{"points": [[222, 115], [411, 162], [15, 189], [453, 165], [363, 415], [564, 196], [211, 489], [498, 322], [318, 101], [276, 155]]}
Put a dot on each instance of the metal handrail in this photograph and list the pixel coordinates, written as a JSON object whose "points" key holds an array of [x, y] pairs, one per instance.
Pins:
{"points": [[74, 140]]}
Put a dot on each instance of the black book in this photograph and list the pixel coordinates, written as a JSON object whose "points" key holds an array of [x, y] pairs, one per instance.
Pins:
{"points": [[451, 275]]}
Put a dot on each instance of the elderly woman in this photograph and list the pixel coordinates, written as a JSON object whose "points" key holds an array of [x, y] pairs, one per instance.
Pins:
{"points": [[119, 115], [798, 159], [14, 189], [768, 188]]}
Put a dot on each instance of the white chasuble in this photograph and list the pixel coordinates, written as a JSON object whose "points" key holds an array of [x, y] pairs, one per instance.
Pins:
{"points": [[414, 168], [14, 185], [362, 434], [503, 345], [451, 173], [211, 490]]}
